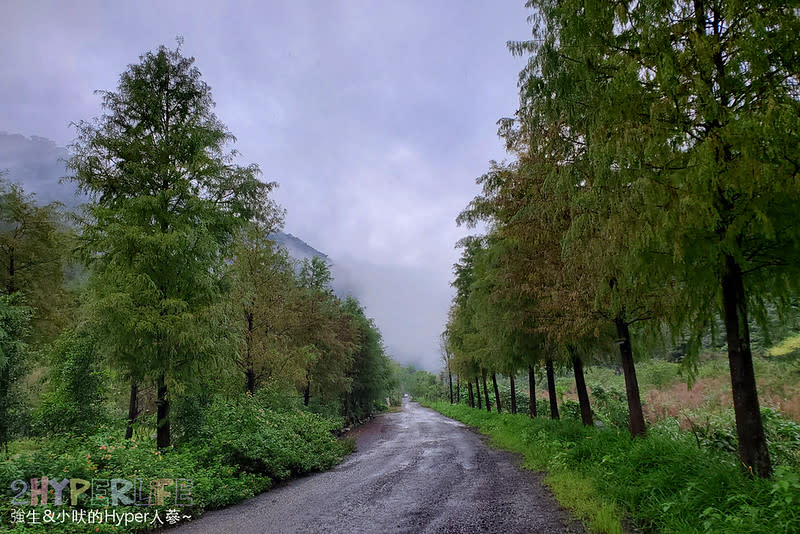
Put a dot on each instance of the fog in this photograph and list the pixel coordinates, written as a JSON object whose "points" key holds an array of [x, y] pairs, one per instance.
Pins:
{"points": [[375, 118]]}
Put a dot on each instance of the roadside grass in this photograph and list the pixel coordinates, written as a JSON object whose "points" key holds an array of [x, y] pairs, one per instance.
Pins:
{"points": [[240, 450], [663, 483]]}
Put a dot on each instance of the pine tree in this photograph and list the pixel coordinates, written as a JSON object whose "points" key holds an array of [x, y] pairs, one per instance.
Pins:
{"points": [[683, 117], [167, 201]]}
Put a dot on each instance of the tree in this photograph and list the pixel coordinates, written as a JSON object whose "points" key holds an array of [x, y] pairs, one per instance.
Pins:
{"points": [[266, 299], [31, 252], [14, 325], [447, 358], [167, 201], [691, 107], [325, 332], [370, 372]]}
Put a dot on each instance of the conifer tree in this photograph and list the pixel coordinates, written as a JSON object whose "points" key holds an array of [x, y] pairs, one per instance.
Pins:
{"points": [[685, 115], [167, 199]]}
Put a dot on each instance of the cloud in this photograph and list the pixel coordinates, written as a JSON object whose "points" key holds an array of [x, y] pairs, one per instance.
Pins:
{"points": [[374, 117]]}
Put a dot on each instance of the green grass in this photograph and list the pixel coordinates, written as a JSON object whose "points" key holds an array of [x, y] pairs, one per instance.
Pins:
{"points": [[662, 483], [785, 347]]}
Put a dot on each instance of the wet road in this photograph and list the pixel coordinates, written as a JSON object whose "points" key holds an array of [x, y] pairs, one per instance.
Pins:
{"points": [[415, 471]]}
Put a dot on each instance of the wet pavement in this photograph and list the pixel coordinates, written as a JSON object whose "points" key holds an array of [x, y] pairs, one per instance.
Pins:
{"points": [[414, 471]]}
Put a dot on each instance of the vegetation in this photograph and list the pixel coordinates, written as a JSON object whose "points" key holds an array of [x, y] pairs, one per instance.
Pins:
{"points": [[662, 482], [243, 447], [238, 365], [653, 188], [649, 202]]}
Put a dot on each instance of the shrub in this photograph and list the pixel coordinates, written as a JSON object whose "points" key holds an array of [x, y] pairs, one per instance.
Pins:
{"points": [[240, 448], [74, 403], [610, 405]]}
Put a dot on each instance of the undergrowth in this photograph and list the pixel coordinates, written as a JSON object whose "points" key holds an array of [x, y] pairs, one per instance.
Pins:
{"points": [[242, 448]]}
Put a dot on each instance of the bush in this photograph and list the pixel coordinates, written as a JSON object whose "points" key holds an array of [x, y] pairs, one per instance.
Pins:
{"points": [[241, 447], [610, 405], [74, 403]]}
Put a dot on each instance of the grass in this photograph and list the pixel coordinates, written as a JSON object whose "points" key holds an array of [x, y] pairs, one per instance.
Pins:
{"points": [[785, 347], [663, 482]]}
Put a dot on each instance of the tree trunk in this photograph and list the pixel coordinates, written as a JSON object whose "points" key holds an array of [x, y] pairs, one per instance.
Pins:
{"points": [[753, 450], [531, 392], [513, 395], [471, 398], [306, 393], [162, 418], [250, 380], [458, 389], [551, 389], [635, 414], [496, 393], [486, 392], [478, 391], [580, 386], [10, 289], [5, 431], [133, 409], [450, 383]]}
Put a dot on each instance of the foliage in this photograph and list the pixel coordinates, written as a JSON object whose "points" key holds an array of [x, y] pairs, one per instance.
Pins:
{"points": [[14, 327], [75, 402], [610, 406], [244, 447]]}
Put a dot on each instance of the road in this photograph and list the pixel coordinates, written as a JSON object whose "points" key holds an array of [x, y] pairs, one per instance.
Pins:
{"points": [[414, 471]]}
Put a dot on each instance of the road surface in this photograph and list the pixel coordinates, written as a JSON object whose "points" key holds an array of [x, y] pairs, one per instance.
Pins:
{"points": [[414, 471]]}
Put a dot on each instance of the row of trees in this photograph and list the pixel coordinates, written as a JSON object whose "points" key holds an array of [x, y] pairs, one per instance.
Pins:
{"points": [[174, 283], [654, 183]]}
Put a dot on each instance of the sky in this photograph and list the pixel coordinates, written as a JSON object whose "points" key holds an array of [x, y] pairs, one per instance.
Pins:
{"points": [[374, 116]]}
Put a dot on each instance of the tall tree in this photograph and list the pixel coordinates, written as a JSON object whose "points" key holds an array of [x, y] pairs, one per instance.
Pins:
{"points": [[328, 335], [267, 299], [14, 326], [167, 201], [32, 247], [369, 373], [447, 357], [691, 107], [532, 411]]}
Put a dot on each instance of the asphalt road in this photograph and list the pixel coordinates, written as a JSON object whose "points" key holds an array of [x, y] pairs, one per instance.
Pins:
{"points": [[414, 471]]}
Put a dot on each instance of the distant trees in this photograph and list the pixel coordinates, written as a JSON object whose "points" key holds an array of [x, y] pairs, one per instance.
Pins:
{"points": [[296, 334]]}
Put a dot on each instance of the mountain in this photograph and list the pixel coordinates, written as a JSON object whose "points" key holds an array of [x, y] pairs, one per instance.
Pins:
{"points": [[296, 247], [343, 283], [37, 163]]}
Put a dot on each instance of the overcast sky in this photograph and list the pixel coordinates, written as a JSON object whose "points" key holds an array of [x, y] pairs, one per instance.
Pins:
{"points": [[374, 116]]}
